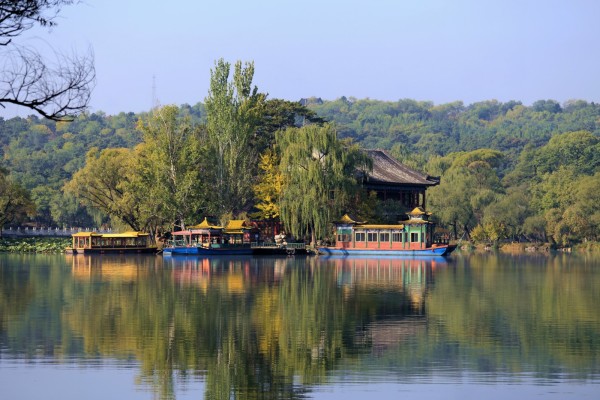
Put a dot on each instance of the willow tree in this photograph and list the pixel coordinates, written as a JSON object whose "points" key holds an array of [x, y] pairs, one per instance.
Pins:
{"points": [[233, 114], [169, 168], [318, 178]]}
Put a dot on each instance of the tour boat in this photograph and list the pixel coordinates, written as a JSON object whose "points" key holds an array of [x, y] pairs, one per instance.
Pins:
{"points": [[128, 242], [207, 239], [410, 238]]}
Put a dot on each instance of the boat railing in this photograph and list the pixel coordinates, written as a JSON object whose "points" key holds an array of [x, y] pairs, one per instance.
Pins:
{"points": [[295, 245], [265, 244], [178, 243], [274, 245], [229, 245]]}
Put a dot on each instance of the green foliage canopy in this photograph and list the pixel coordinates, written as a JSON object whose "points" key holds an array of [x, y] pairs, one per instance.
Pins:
{"points": [[168, 168]]}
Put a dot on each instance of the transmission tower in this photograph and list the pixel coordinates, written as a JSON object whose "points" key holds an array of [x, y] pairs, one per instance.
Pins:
{"points": [[155, 103]]}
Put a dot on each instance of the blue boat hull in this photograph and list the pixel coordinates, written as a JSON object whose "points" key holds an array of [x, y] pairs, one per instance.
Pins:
{"points": [[201, 251], [429, 252]]}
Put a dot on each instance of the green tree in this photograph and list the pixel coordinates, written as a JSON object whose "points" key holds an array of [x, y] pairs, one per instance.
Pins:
{"points": [[279, 115], [233, 111], [15, 204], [105, 184], [573, 218], [451, 202], [469, 184], [587, 190], [580, 150], [511, 210], [56, 208], [318, 178], [169, 166]]}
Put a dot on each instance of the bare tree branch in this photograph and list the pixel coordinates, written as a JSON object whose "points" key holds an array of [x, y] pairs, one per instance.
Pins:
{"points": [[58, 91], [18, 16]]}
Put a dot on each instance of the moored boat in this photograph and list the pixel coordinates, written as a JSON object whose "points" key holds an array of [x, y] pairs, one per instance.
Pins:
{"points": [[207, 239], [127, 242], [411, 238]]}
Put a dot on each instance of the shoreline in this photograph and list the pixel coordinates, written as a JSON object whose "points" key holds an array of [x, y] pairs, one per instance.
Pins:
{"points": [[47, 244], [530, 248]]}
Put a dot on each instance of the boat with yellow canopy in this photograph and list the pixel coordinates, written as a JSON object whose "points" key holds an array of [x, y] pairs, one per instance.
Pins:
{"points": [[127, 242]]}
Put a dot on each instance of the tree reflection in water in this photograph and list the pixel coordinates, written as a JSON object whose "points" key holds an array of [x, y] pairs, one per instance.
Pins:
{"points": [[275, 327]]}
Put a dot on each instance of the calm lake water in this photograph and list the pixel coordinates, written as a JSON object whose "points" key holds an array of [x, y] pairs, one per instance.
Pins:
{"points": [[146, 327]]}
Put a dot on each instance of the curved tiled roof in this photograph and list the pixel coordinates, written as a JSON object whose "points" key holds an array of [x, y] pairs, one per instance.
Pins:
{"points": [[387, 170], [205, 225]]}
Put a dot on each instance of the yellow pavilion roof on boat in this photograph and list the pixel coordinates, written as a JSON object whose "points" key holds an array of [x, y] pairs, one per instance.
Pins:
{"points": [[379, 226], [205, 225], [236, 226], [418, 211], [111, 235], [346, 219], [125, 235], [86, 234]]}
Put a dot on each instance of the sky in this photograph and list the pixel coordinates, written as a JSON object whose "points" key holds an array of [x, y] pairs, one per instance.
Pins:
{"points": [[430, 50]]}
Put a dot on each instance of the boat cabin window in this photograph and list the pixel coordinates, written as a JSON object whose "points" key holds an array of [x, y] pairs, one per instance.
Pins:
{"points": [[359, 236], [371, 236], [397, 237], [384, 237], [414, 237], [343, 238]]}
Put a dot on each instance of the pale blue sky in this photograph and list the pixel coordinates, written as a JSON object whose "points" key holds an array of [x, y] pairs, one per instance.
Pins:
{"points": [[469, 50]]}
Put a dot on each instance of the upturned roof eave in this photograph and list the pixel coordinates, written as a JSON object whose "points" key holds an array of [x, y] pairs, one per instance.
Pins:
{"points": [[389, 171]]}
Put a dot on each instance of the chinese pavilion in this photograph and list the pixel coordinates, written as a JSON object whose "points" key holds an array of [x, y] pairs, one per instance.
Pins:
{"points": [[392, 180]]}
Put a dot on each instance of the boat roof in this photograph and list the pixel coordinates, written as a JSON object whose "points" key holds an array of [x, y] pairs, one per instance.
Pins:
{"points": [[181, 233], [418, 211], [86, 234], [236, 226], [125, 235], [110, 235], [205, 225], [347, 219], [379, 226]]}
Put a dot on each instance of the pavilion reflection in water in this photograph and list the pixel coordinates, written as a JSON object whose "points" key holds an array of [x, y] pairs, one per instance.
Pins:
{"points": [[392, 271], [410, 278], [234, 274]]}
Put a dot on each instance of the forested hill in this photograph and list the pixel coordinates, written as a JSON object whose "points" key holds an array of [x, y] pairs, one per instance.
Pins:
{"points": [[414, 130], [420, 129]]}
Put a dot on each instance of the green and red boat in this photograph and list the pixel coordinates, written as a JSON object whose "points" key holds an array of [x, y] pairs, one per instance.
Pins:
{"points": [[411, 238]]}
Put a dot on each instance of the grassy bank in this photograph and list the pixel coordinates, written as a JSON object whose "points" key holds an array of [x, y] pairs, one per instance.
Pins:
{"points": [[34, 245]]}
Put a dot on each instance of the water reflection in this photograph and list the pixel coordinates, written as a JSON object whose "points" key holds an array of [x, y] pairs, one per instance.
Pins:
{"points": [[274, 327], [110, 267]]}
